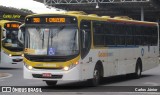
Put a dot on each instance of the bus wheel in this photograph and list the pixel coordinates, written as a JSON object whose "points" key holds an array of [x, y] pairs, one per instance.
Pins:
{"points": [[96, 77], [138, 70], [51, 83]]}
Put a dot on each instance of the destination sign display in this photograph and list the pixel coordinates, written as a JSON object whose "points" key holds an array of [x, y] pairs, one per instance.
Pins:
{"points": [[50, 20], [12, 25]]}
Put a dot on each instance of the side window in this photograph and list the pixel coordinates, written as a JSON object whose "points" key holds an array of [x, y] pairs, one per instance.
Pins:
{"points": [[129, 36], [110, 32], [104, 34], [144, 36], [121, 35], [85, 29], [99, 37], [154, 36], [138, 36]]}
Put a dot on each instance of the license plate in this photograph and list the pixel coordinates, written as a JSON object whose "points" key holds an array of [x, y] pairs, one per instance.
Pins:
{"points": [[47, 75], [17, 60]]}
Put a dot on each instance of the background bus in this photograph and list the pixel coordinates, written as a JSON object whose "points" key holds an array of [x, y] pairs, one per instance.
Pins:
{"points": [[11, 48], [76, 46]]}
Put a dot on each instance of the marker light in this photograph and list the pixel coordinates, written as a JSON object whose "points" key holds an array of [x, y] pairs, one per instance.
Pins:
{"points": [[30, 67], [10, 55], [66, 68], [76, 63]]}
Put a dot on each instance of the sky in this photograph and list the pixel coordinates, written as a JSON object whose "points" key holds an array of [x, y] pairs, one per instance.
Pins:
{"points": [[27, 4]]}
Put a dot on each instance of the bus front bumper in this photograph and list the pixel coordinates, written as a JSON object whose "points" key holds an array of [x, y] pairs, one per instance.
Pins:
{"points": [[72, 74], [7, 60]]}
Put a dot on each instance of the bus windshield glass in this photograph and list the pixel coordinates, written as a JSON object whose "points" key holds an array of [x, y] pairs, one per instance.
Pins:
{"points": [[11, 41], [52, 41]]}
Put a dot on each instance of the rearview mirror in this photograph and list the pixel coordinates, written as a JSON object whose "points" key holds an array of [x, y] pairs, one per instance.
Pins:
{"points": [[21, 33], [3, 33], [83, 38]]}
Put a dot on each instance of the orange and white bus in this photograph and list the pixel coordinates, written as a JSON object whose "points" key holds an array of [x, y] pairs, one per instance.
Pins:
{"points": [[77, 46]]}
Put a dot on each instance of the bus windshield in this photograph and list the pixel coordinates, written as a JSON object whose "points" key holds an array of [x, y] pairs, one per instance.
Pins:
{"points": [[52, 41], [11, 41]]}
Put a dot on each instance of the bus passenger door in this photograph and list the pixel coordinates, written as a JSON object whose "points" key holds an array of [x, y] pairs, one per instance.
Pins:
{"points": [[85, 32]]}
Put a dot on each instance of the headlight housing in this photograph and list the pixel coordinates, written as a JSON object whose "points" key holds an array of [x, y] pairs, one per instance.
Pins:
{"points": [[28, 66], [22, 55], [66, 68], [10, 55]]}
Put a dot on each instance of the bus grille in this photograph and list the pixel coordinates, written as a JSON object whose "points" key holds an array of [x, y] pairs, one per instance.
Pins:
{"points": [[17, 60], [46, 59], [53, 76], [47, 68], [13, 49]]}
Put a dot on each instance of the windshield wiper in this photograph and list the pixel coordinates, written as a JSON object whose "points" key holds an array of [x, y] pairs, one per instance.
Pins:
{"points": [[41, 33], [54, 33]]}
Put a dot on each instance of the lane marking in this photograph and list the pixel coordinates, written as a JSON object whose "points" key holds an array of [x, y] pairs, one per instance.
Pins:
{"points": [[152, 83], [9, 75]]}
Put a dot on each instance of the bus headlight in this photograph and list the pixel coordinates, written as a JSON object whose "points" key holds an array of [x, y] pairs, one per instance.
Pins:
{"points": [[10, 55], [22, 55], [66, 68], [28, 66]]}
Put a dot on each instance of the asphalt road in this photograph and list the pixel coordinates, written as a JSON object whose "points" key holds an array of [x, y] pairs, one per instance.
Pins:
{"points": [[119, 85]]}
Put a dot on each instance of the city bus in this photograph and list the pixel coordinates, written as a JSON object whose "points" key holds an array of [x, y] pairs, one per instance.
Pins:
{"points": [[85, 47], [11, 48]]}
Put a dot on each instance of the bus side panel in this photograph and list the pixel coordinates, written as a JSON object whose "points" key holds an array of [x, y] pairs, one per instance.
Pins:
{"points": [[88, 66], [126, 60], [150, 59], [112, 61], [119, 60], [0, 42], [96, 55]]}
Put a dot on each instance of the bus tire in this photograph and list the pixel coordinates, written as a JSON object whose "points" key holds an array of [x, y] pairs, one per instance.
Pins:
{"points": [[51, 83], [138, 70], [96, 77]]}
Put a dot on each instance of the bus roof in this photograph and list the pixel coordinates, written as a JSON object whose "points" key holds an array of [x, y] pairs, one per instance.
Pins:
{"points": [[83, 15], [132, 22], [7, 21]]}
